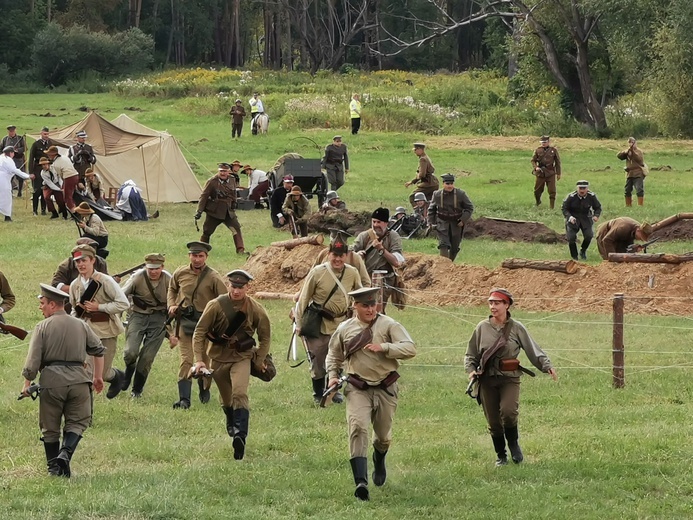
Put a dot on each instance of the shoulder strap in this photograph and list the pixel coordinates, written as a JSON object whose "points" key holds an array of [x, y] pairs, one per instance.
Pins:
{"points": [[151, 288], [197, 285], [495, 348], [334, 289], [338, 282]]}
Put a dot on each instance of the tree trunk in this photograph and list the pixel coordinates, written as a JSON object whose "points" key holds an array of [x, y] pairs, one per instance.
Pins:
{"points": [[650, 258], [290, 244], [559, 266], [671, 220]]}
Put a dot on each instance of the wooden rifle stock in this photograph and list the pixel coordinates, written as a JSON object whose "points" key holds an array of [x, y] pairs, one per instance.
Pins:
{"points": [[130, 270], [15, 331]]}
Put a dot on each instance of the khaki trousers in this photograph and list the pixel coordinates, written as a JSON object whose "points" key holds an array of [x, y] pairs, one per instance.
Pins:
{"points": [[549, 182], [72, 402], [111, 345], [232, 380], [148, 331], [374, 406], [317, 350], [187, 357], [500, 399]]}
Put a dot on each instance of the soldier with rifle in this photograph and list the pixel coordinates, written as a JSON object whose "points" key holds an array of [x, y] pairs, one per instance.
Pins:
{"points": [[426, 182], [381, 249], [368, 349], [619, 234], [448, 212], [191, 288], [6, 297], [147, 289], [492, 361], [635, 172], [297, 210], [325, 292], [81, 155], [18, 142], [59, 348], [67, 272], [224, 342], [97, 299], [37, 151], [546, 167]]}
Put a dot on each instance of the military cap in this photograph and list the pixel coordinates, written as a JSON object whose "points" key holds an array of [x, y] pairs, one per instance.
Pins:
{"points": [[53, 150], [288, 178], [544, 139], [224, 166], [337, 138], [51, 293], [247, 167], [84, 209], [239, 101], [296, 190], [582, 184], [382, 214], [88, 241], [239, 277], [400, 209], [45, 129], [82, 251], [8, 149], [498, 293], [198, 247], [236, 163], [365, 295], [448, 177], [82, 133], [154, 260], [419, 145], [11, 127], [419, 196], [44, 160], [646, 228], [338, 244], [255, 93], [331, 195]]}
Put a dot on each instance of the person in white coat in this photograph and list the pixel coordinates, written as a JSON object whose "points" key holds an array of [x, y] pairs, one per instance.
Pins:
{"points": [[8, 170]]}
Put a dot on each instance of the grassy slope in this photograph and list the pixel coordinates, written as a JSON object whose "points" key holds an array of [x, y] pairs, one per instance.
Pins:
{"points": [[592, 452]]}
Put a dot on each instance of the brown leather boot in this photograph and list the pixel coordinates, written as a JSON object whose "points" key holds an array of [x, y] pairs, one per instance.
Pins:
{"points": [[641, 201], [629, 201], [552, 203]]}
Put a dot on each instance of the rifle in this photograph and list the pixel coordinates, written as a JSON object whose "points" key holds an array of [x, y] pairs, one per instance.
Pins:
{"points": [[10, 329], [332, 390], [130, 270], [293, 228], [77, 219], [473, 389], [389, 228], [291, 354], [634, 248], [33, 391]]}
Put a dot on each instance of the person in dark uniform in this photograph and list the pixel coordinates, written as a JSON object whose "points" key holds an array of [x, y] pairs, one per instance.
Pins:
{"points": [[581, 209], [547, 169], [82, 155], [425, 180], [218, 201], [448, 212], [237, 114], [230, 321], [59, 348], [335, 162], [297, 206], [277, 201], [19, 144], [498, 371], [368, 349], [38, 150]]}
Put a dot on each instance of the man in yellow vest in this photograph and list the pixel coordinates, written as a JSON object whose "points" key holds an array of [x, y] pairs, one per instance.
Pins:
{"points": [[355, 113]]}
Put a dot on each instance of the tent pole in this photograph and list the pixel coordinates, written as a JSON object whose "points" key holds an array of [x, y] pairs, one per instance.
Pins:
{"points": [[144, 169]]}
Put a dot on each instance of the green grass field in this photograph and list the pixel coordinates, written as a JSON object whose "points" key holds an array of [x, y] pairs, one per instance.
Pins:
{"points": [[591, 451]]}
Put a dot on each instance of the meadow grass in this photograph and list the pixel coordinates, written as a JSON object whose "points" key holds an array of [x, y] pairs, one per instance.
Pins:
{"points": [[592, 452]]}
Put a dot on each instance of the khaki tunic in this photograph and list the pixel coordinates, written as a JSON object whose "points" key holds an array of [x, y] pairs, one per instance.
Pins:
{"points": [[95, 226], [300, 209], [374, 261], [616, 235], [374, 405], [635, 160], [137, 286], [548, 160], [447, 211], [67, 272], [353, 260], [6, 294], [66, 389]]}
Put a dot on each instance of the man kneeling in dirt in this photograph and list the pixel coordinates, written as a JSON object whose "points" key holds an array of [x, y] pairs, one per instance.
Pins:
{"points": [[616, 235]]}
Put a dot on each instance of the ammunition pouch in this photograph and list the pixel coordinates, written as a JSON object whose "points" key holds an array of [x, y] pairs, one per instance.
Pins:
{"points": [[359, 383], [96, 317], [189, 317], [241, 341], [509, 365], [139, 302]]}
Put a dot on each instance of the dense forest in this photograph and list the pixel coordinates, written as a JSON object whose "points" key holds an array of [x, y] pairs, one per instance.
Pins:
{"points": [[592, 51]]}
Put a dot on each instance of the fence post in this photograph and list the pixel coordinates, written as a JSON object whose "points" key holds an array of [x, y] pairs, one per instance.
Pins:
{"points": [[618, 349], [377, 280]]}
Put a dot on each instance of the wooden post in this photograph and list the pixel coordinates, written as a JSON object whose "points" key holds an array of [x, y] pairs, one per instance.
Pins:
{"points": [[617, 352], [377, 281]]}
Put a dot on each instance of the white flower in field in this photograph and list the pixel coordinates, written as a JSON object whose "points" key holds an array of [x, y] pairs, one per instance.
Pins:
{"points": [[628, 111]]}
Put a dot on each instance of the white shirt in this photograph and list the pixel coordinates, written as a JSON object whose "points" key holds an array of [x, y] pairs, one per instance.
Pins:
{"points": [[255, 178]]}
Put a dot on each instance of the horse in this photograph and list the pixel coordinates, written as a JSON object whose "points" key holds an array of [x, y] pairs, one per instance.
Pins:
{"points": [[262, 123]]}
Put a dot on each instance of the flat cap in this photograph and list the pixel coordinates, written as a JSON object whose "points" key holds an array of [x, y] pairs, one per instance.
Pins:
{"points": [[448, 177], [154, 260], [337, 138], [365, 295], [198, 247], [11, 127], [582, 184], [544, 138], [382, 214], [8, 149], [239, 277], [51, 293], [498, 293], [83, 251]]}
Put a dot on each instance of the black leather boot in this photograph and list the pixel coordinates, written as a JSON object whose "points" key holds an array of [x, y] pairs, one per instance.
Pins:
{"points": [[512, 435], [52, 452], [138, 384], [228, 411], [184, 391], [116, 384], [204, 392], [318, 389], [499, 446], [70, 442], [54, 215], [241, 418], [379, 473], [444, 252], [127, 378], [573, 250], [359, 467]]}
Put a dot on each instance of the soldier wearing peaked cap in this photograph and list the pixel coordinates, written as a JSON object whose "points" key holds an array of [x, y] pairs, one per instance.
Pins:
{"points": [[237, 114], [368, 348], [617, 234], [67, 272], [581, 209], [18, 143], [492, 359], [224, 341], [351, 258], [547, 169], [335, 162], [38, 150], [426, 182], [191, 288], [218, 201], [448, 212], [82, 155], [59, 348], [325, 291], [147, 289]]}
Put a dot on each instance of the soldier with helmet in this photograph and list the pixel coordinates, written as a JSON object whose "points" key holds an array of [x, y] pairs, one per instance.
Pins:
{"points": [[228, 325], [581, 209], [546, 166], [333, 202], [425, 180], [492, 360], [448, 212]]}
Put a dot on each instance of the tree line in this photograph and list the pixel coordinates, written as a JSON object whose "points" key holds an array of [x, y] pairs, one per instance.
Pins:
{"points": [[593, 51]]}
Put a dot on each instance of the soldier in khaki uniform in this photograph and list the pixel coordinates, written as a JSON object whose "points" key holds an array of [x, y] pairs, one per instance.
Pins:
{"points": [[547, 169], [351, 258], [499, 373], [635, 172], [98, 299], [230, 322], [327, 285], [67, 272], [59, 348], [191, 288], [148, 290], [448, 212], [218, 200], [617, 234], [425, 180], [368, 348], [6, 297], [296, 205]]}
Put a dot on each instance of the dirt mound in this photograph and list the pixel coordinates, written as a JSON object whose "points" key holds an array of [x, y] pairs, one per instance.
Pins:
{"points": [[681, 230], [351, 222], [433, 280], [511, 230]]}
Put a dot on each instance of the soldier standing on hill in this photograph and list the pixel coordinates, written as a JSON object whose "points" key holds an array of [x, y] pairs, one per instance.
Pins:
{"points": [[237, 114], [449, 211], [581, 209], [38, 150], [547, 170], [336, 162], [425, 180]]}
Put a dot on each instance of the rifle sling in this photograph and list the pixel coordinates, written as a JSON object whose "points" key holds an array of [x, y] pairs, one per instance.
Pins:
{"points": [[496, 347], [235, 318], [334, 289], [151, 289]]}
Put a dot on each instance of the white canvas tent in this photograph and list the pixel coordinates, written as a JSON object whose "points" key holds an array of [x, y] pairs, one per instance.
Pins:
{"points": [[126, 149]]}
